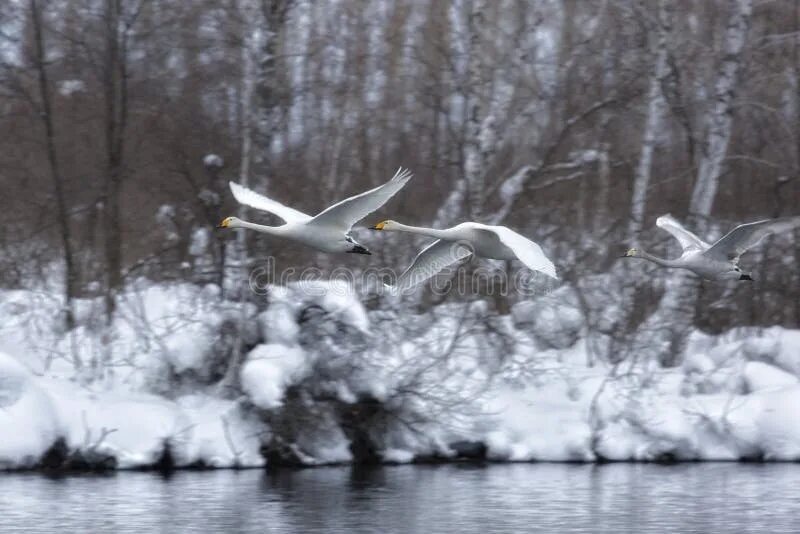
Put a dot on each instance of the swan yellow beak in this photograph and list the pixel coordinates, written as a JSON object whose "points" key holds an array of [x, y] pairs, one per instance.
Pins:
{"points": [[378, 226], [225, 223]]}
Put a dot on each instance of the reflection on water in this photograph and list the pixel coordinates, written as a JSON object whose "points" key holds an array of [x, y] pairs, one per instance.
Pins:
{"points": [[711, 497]]}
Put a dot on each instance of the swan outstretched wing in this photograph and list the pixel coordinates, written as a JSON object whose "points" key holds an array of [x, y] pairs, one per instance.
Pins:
{"points": [[343, 215], [430, 261], [527, 251], [689, 242], [743, 237], [250, 198]]}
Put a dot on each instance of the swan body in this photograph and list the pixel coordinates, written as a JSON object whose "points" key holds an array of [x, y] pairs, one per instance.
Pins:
{"points": [[328, 231], [718, 261], [465, 239]]}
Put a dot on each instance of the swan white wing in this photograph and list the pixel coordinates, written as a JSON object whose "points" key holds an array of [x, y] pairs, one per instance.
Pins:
{"points": [[343, 215], [743, 237], [250, 198], [430, 261], [689, 242], [527, 251]]}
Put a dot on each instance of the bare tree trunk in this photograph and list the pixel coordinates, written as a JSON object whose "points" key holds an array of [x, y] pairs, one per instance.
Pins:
{"points": [[666, 330], [796, 57], [248, 83], [269, 83], [656, 105], [253, 82], [46, 114], [116, 102], [720, 118]]}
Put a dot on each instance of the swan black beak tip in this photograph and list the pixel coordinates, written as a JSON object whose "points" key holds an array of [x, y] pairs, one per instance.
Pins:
{"points": [[746, 277]]}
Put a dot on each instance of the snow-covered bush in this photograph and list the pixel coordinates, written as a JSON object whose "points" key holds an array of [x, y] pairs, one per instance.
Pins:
{"points": [[556, 319], [320, 384], [305, 374], [29, 424]]}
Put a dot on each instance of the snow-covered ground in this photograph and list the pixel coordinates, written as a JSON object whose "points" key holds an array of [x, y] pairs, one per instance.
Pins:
{"points": [[324, 380]]}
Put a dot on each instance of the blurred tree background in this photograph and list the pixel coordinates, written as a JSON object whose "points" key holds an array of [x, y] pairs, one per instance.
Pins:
{"points": [[575, 123]]}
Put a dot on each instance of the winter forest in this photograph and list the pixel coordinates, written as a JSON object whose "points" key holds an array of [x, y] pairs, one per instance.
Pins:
{"points": [[134, 334]]}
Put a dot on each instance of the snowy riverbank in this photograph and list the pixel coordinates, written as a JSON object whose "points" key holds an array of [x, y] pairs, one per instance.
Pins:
{"points": [[324, 380]]}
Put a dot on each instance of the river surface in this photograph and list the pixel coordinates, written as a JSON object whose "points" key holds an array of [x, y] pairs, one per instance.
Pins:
{"points": [[697, 497]]}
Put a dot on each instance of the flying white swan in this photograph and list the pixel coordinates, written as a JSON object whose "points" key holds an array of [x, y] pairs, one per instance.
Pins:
{"points": [[329, 231], [458, 242], [719, 261]]}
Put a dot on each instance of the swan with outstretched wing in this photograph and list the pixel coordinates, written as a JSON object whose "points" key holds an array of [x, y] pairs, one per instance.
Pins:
{"points": [[329, 231], [463, 240], [719, 261]]}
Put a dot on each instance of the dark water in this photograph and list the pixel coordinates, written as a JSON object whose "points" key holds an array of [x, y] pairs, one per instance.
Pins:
{"points": [[718, 497]]}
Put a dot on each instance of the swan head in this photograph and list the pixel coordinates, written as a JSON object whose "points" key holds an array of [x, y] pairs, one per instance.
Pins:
{"points": [[631, 253], [383, 225], [229, 222]]}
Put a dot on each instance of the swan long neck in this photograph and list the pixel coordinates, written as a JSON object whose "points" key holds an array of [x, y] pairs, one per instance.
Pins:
{"points": [[272, 230], [431, 232], [660, 261]]}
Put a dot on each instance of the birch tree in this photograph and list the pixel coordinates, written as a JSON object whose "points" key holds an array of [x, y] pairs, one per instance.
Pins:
{"points": [[720, 119], [547, 121], [666, 330], [264, 23], [270, 91], [487, 121], [656, 106], [479, 127], [238, 261]]}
